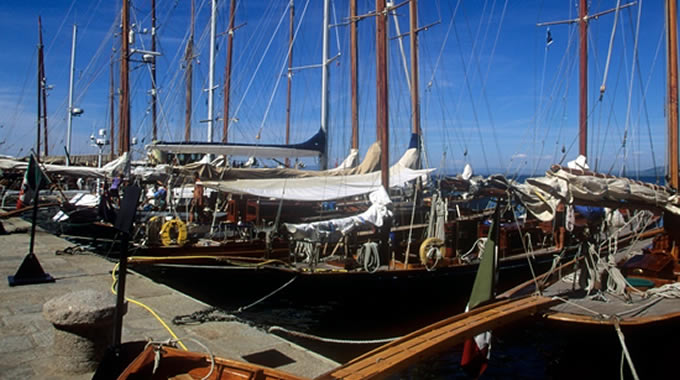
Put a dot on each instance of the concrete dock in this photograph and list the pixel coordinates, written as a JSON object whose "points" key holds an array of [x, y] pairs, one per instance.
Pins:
{"points": [[26, 338]]}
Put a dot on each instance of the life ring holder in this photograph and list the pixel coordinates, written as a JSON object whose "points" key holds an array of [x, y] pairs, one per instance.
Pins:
{"points": [[173, 232], [430, 249]]}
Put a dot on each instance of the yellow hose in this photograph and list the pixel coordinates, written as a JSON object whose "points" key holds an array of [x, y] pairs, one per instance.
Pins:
{"points": [[151, 259], [172, 333]]}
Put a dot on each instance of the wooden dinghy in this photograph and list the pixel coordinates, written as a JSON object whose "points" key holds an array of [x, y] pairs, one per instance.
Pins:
{"points": [[185, 365]]}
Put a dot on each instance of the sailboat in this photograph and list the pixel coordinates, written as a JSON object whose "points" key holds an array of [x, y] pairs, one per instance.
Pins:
{"points": [[625, 296], [343, 257]]}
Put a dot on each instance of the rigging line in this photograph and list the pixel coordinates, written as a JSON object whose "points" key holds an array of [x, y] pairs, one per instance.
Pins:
{"points": [[630, 87], [172, 96], [400, 41], [537, 100], [611, 47], [284, 66], [483, 87], [643, 102], [61, 26], [93, 14], [472, 103], [567, 65], [443, 108], [462, 140], [335, 21], [540, 102], [283, 15], [29, 71], [441, 50], [94, 59], [495, 43], [644, 99], [62, 107], [612, 114]]}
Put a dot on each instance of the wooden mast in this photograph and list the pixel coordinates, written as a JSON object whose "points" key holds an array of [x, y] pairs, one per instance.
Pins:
{"points": [[112, 121], [188, 77], [381, 90], [227, 75], [40, 57], [672, 96], [211, 71], [583, 78], [154, 88], [290, 73], [353, 55], [124, 107], [415, 100]]}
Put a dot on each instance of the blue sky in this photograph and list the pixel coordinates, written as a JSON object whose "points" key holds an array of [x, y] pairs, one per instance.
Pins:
{"points": [[492, 95]]}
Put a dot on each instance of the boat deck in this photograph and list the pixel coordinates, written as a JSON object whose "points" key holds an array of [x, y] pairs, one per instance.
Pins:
{"points": [[600, 307]]}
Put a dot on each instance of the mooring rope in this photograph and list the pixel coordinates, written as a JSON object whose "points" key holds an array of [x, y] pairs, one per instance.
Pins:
{"points": [[243, 308], [622, 340], [214, 314], [329, 340]]}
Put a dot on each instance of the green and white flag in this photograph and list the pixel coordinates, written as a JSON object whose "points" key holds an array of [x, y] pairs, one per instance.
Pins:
{"points": [[34, 180]]}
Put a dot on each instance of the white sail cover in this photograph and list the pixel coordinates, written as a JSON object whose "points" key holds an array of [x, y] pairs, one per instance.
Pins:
{"points": [[573, 186], [310, 148], [349, 162], [112, 168], [332, 230], [325, 187]]}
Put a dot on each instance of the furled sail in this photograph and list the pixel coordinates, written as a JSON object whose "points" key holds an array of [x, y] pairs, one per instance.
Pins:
{"points": [[310, 148], [323, 188], [109, 170], [542, 194]]}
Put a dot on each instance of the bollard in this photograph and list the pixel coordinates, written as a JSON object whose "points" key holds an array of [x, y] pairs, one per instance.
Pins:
{"points": [[83, 322]]}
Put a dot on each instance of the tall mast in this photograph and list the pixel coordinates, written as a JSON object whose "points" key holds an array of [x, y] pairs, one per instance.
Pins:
{"points": [[415, 101], [154, 88], [227, 74], [324, 83], [211, 74], [112, 122], [124, 107], [290, 72], [672, 48], [70, 91], [583, 79], [189, 59], [381, 89], [353, 52], [583, 20], [44, 97], [40, 80]]}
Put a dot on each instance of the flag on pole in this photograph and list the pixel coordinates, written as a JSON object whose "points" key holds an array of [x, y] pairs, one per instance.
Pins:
{"points": [[548, 38], [34, 180], [477, 350]]}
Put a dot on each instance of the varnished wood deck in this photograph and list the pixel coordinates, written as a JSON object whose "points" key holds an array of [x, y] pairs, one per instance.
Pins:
{"points": [[398, 355]]}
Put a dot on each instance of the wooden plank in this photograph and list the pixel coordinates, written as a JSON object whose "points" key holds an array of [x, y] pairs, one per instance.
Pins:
{"points": [[398, 355]]}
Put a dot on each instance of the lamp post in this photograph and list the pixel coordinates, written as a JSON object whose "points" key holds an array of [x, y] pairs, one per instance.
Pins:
{"points": [[100, 141]]}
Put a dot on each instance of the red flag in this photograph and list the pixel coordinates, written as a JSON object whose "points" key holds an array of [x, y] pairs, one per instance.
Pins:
{"points": [[476, 353], [24, 193], [477, 350]]}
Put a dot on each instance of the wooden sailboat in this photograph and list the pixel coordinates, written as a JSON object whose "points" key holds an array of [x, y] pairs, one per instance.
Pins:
{"points": [[641, 276], [396, 266], [625, 296]]}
